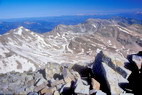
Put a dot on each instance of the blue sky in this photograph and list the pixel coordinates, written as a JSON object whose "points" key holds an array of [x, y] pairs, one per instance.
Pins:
{"points": [[42, 8]]}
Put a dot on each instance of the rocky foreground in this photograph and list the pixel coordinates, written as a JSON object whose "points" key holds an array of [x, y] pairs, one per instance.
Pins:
{"points": [[105, 76]]}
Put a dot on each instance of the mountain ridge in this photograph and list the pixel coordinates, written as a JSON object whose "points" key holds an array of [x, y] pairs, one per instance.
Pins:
{"points": [[67, 44], [39, 25]]}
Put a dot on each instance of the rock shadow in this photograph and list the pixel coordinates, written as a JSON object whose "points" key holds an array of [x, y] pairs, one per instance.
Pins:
{"points": [[135, 78], [42, 71], [57, 76], [82, 70], [100, 73]]}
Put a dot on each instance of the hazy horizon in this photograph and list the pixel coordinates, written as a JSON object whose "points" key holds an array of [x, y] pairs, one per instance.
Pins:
{"points": [[46, 8]]}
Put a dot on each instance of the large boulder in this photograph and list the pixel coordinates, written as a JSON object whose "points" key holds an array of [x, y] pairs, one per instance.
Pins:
{"points": [[55, 83], [51, 69], [66, 89], [68, 77], [109, 71], [138, 61], [81, 88], [95, 84], [33, 93], [135, 79], [99, 92], [40, 81], [48, 91], [56, 93]]}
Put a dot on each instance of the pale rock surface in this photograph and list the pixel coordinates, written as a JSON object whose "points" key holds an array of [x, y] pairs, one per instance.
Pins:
{"points": [[138, 60], [95, 84], [110, 73], [99, 92], [81, 88]]}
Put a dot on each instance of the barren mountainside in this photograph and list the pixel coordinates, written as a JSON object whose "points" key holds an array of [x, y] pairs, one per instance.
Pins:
{"points": [[24, 50]]}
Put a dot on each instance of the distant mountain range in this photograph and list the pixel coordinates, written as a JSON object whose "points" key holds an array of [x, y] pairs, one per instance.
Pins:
{"points": [[23, 50], [46, 24]]}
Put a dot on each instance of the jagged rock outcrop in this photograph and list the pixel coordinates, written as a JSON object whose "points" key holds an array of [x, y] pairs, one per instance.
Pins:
{"points": [[36, 83], [95, 84], [135, 79], [109, 73], [81, 88], [105, 76]]}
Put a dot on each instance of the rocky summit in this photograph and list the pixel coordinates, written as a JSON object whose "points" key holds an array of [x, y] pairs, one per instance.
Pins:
{"points": [[97, 57], [104, 76]]}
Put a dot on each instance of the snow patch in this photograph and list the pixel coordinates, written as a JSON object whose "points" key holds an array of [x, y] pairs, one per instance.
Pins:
{"points": [[10, 64], [94, 25], [58, 34], [27, 30], [109, 42], [98, 50], [82, 51], [123, 30], [19, 32]]}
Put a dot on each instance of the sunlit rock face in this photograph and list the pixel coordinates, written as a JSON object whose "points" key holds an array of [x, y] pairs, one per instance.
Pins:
{"points": [[110, 73]]}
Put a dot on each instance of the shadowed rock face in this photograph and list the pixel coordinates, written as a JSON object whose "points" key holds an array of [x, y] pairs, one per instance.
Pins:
{"points": [[135, 78], [100, 74], [67, 44]]}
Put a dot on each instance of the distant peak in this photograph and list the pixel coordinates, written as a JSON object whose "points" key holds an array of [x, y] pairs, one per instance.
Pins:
{"points": [[21, 27], [20, 30]]}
